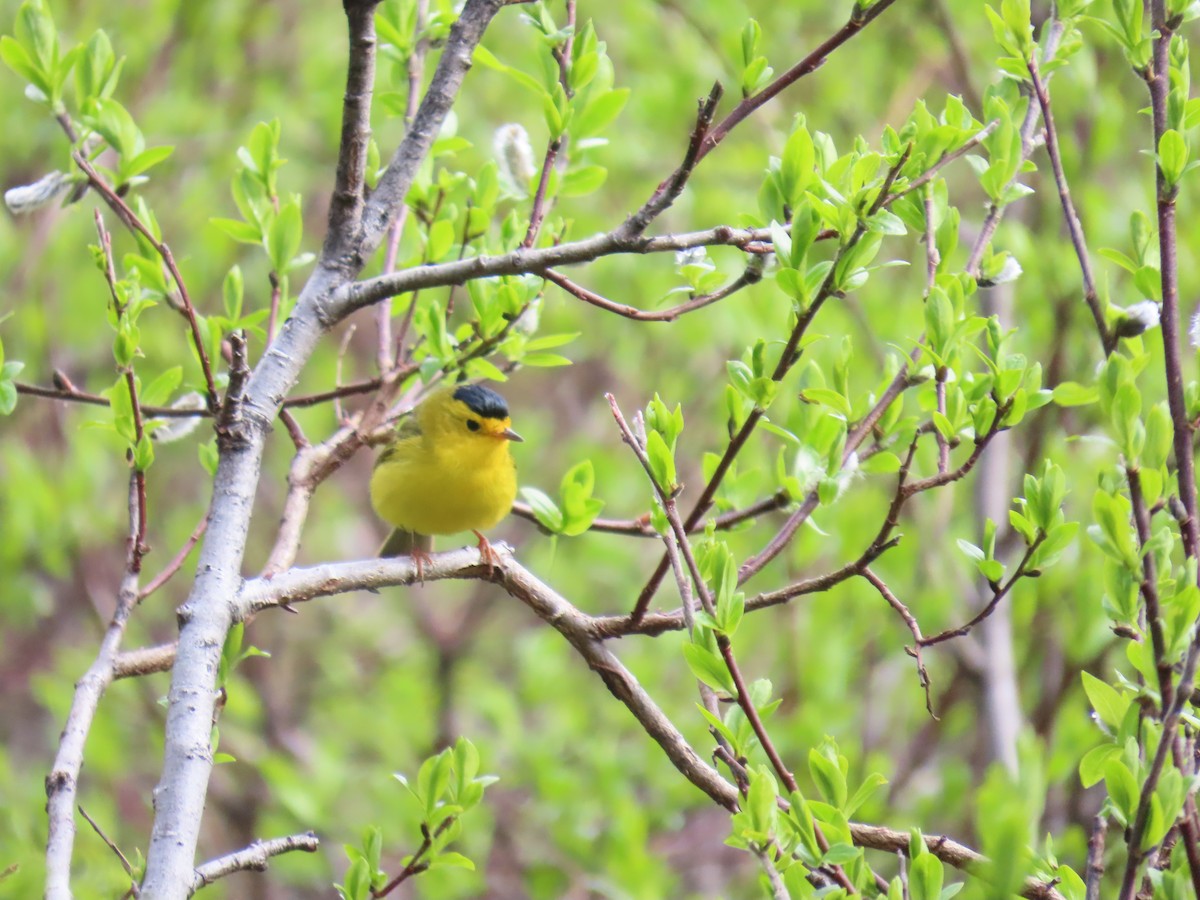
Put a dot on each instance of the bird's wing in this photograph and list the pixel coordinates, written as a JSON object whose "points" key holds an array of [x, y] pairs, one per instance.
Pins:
{"points": [[408, 429]]}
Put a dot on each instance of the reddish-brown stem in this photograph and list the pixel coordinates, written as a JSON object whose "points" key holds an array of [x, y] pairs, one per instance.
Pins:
{"points": [[129, 217], [415, 865], [913, 626], [138, 547], [999, 592], [672, 186], [679, 537], [641, 527], [806, 66], [750, 276], [1074, 227], [176, 562], [1157, 78], [1149, 587], [537, 213], [787, 358], [746, 704]]}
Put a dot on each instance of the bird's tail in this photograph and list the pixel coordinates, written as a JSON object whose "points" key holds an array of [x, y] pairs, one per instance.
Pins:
{"points": [[403, 543]]}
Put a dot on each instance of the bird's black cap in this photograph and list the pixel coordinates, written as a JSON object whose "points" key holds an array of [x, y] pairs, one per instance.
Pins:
{"points": [[482, 401]]}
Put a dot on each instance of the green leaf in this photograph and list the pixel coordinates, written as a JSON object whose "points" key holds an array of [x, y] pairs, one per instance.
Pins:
{"points": [[1109, 705], [162, 387], [870, 785], [1172, 156], [709, 668], [1094, 763], [8, 398], [599, 113], [143, 162], [827, 397], [925, 875], [243, 232], [583, 180], [797, 164], [22, 64], [662, 461], [284, 235], [544, 360], [451, 859], [1070, 393], [828, 777], [545, 510], [1122, 789]]}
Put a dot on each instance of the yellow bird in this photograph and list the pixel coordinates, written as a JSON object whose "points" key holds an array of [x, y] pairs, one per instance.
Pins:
{"points": [[448, 470]]}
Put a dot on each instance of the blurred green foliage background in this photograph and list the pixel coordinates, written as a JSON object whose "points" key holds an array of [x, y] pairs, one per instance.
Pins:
{"points": [[360, 686]]}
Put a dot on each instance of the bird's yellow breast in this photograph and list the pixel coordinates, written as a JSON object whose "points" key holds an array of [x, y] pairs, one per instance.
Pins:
{"points": [[444, 485]]}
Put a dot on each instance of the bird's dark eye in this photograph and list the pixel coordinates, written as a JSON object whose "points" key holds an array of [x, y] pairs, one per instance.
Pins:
{"points": [[473, 424]]}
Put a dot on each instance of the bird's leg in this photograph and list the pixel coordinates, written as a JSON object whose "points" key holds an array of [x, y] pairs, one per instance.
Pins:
{"points": [[489, 556], [420, 556]]}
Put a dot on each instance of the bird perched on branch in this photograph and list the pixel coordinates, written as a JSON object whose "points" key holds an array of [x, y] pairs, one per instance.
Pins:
{"points": [[447, 470]]}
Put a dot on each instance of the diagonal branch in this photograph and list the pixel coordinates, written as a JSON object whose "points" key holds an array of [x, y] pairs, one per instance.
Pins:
{"points": [[1074, 227], [579, 629], [62, 782], [813, 61], [349, 191]]}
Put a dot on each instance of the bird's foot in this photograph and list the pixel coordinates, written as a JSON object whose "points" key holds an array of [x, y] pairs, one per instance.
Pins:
{"points": [[487, 554], [421, 558]]}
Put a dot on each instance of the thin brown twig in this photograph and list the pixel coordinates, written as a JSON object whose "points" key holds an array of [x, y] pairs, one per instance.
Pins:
{"points": [[138, 548], [176, 562], [1074, 226], [910, 620], [131, 220], [944, 160], [787, 358], [641, 527], [415, 865], [538, 209], [347, 336], [111, 845], [999, 592], [1149, 586], [537, 212], [813, 61], [743, 698], [672, 186], [386, 356], [751, 275]]}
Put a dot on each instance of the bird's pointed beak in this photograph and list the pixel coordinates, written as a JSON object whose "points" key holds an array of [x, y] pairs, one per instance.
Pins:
{"points": [[509, 435]]}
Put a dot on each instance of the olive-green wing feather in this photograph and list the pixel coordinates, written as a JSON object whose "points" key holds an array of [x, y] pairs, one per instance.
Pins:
{"points": [[403, 543], [406, 430]]}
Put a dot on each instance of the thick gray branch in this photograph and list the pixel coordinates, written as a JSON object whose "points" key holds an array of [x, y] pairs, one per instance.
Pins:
{"points": [[209, 612]]}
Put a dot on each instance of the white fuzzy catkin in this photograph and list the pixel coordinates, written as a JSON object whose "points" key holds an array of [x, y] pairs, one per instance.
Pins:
{"points": [[514, 156], [28, 197]]}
